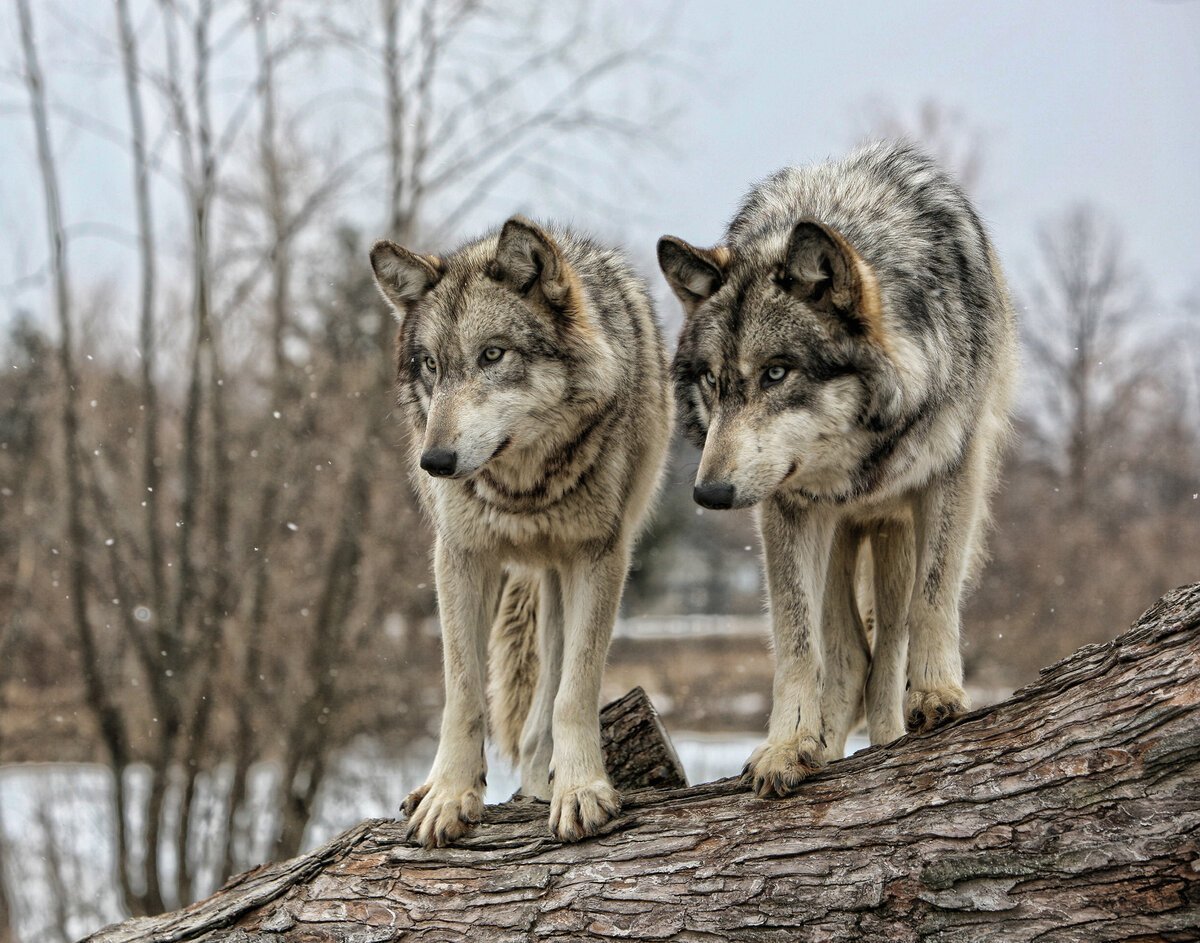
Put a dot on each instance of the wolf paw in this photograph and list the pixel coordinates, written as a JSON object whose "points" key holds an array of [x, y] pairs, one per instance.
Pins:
{"points": [[439, 815], [580, 811], [928, 710], [778, 769]]}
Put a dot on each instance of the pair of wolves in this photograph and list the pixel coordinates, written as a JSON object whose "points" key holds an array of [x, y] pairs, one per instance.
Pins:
{"points": [[845, 365]]}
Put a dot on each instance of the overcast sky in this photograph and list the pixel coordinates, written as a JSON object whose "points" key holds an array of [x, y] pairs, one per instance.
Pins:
{"points": [[1075, 99]]}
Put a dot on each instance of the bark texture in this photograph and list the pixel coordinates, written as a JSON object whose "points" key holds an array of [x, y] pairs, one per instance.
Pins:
{"points": [[637, 751], [1070, 811]]}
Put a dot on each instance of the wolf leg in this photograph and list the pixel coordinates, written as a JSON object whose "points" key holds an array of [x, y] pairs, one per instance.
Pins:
{"points": [[945, 517], [537, 739], [451, 801], [893, 565], [846, 654], [582, 799], [797, 551]]}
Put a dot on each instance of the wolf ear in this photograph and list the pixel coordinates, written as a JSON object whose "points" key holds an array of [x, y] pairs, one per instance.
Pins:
{"points": [[528, 258], [694, 274], [402, 276], [823, 270]]}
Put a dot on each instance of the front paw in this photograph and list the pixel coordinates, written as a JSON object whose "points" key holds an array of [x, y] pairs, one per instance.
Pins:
{"points": [[579, 811], [778, 769], [926, 710], [439, 814]]}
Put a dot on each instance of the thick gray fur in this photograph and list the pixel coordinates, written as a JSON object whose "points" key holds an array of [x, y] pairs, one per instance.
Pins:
{"points": [[846, 365]]}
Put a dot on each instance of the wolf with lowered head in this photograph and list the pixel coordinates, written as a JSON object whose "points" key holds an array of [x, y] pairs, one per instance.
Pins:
{"points": [[532, 374], [846, 365]]}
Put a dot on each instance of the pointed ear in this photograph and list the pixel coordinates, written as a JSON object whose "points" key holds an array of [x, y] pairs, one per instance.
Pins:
{"points": [[693, 273], [823, 270], [529, 261], [402, 276]]}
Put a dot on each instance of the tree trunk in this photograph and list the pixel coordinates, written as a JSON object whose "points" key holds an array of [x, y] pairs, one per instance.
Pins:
{"points": [[1068, 812], [100, 697]]}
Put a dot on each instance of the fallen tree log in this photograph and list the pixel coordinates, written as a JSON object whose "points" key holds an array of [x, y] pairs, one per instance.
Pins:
{"points": [[1070, 811]]}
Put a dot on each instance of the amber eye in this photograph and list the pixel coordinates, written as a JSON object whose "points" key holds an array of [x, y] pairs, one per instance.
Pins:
{"points": [[430, 364], [710, 379], [773, 375], [491, 354]]}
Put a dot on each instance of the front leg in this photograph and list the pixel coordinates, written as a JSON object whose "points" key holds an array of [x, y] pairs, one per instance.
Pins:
{"points": [[451, 801], [582, 799], [945, 517], [798, 544]]}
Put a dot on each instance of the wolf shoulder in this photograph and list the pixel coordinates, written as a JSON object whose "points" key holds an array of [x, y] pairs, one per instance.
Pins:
{"points": [[619, 298], [912, 222]]}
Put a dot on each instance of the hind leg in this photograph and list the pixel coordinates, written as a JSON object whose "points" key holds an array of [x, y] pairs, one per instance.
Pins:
{"points": [[537, 739], [846, 655], [893, 568]]}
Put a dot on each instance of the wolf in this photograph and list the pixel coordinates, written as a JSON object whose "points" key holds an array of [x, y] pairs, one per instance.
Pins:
{"points": [[532, 374], [846, 365]]}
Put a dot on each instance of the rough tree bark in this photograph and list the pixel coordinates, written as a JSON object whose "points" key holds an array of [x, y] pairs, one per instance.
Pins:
{"points": [[1070, 811]]}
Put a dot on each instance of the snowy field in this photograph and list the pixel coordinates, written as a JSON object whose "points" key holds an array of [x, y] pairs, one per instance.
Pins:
{"points": [[57, 844]]}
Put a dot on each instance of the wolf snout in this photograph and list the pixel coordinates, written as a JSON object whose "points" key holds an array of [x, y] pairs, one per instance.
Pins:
{"points": [[440, 463], [714, 495]]}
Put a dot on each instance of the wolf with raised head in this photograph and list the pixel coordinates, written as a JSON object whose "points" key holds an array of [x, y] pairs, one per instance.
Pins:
{"points": [[532, 374], [846, 365]]}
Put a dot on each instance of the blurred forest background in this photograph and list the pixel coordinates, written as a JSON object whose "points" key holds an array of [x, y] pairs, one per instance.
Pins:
{"points": [[213, 579]]}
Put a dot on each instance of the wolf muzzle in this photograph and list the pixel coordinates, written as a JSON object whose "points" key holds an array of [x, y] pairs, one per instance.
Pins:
{"points": [[714, 495], [441, 463]]}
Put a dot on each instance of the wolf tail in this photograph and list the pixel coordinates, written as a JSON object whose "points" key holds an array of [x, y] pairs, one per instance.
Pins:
{"points": [[513, 659]]}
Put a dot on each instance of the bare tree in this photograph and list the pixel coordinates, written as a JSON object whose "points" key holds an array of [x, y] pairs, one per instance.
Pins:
{"points": [[275, 198], [100, 699], [147, 342], [150, 476], [1078, 333], [477, 92], [210, 627], [1098, 507]]}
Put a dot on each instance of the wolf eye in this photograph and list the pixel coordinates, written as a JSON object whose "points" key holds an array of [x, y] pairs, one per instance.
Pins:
{"points": [[491, 354], [773, 375], [710, 379], [430, 364]]}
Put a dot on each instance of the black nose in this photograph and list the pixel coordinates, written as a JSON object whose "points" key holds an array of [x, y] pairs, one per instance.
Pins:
{"points": [[440, 462], [715, 495]]}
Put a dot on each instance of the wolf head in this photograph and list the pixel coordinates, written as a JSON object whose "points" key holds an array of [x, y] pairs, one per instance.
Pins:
{"points": [[783, 376], [492, 339]]}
